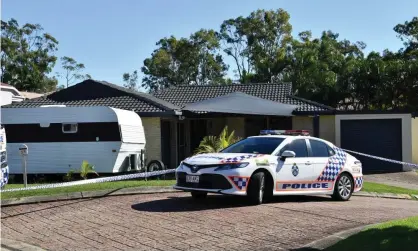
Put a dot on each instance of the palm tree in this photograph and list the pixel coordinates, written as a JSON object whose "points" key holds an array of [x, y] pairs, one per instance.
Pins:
{"points": [[213, 144], [86, 168]]}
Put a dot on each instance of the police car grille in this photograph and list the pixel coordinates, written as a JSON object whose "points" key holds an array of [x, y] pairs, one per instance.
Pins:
{"points": [[206, 181], [198, 167]]}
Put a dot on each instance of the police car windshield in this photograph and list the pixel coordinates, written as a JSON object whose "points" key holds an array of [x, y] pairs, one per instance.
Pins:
{"points": [[257, 145]]}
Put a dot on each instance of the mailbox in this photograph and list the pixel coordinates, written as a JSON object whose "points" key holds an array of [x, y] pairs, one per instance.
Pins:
{"points": [[23, 150]]}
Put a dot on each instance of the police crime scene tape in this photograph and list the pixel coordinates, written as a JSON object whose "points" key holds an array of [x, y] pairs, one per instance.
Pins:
{"points": [[156, 173], [383, 159], [92, 181]]}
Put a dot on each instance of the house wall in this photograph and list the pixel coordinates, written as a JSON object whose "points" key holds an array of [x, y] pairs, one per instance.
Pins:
{"points": [[302, 123], [414, 131], [406, 131], [152, 128], [327, 128]]}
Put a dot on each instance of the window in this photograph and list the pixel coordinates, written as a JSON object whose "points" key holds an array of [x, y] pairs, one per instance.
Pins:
{"points": [[69, 128], [257, 145], [331, 151], [298, 146], [319, 149]]}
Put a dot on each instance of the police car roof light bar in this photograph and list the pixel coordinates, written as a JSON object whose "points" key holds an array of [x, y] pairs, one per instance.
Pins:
{"points": [[285, 132]]}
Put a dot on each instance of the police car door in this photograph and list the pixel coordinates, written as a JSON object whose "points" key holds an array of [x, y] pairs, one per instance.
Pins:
{"points": [[292, 172]]}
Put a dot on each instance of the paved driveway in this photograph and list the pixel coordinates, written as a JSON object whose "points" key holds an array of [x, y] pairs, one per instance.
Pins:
{"points": [[175, 222]]}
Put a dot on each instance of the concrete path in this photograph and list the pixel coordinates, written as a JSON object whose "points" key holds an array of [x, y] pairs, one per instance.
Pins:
{"points": [[12, 245], [177, 222], [402, 179]]}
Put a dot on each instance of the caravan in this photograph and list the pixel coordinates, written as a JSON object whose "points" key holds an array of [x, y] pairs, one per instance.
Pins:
{"points": [[60, 138], [4, 174]]}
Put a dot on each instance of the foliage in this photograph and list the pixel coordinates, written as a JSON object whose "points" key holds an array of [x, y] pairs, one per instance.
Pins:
{"points": [[326, 69], [69, 176], [195, 61], [27, 56], [131, 80], [72, 71], [86, 169], [213, 144]]}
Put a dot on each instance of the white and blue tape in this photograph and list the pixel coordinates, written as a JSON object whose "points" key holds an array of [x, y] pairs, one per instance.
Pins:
{"points": [[383, 159], [91, 181], [156, 173]]}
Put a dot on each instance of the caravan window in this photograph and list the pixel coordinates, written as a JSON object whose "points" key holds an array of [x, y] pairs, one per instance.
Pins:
{"points": [[69, 128]]}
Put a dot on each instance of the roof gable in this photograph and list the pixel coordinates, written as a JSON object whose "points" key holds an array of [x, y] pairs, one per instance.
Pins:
{"points": [[92, 93], [278, 92]]}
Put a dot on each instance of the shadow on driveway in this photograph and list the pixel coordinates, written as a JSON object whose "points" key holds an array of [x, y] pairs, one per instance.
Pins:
{"points": [[188, 204]]}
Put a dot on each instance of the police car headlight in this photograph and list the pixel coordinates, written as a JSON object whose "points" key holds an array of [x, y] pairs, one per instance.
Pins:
{"points": [[231, 166]]}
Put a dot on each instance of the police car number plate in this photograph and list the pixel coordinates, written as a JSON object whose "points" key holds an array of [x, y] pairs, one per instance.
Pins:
{"points": [[192, 178]]}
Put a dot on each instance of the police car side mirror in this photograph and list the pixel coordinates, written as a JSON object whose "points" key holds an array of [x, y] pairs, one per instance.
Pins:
{"points": [[287, 154]]}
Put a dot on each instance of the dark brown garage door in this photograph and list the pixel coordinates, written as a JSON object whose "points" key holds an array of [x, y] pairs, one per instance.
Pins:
{"points": [[379, 137]]}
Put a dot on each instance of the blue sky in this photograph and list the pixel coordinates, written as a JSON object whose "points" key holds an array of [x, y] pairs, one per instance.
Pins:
{"points": [[113, 37]]}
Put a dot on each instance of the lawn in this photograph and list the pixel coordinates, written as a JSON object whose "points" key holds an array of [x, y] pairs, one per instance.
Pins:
{"points": [[83, 188], [380, 188], [368, 187], [393, 235]]}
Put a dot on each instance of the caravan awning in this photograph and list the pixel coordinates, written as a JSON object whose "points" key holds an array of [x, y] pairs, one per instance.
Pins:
{"points": [[241, 103]]}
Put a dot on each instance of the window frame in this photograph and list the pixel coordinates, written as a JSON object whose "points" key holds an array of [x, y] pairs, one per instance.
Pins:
{"points": [[326, 144], [71, 124], [308, 149]]}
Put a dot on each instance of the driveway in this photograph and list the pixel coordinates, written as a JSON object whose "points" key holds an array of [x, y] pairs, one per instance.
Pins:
{"points": [[407, 180], [173, 221]]}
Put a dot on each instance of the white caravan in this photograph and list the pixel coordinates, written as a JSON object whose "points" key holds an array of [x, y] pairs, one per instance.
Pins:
{"points": [[59, 138]]}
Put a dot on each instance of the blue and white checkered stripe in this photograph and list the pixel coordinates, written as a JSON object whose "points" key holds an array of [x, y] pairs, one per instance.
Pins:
{"points": [[240, 158], [334, 166], [240, 182], [91, 181], [4, 179], [358, 182], [383, 159]]}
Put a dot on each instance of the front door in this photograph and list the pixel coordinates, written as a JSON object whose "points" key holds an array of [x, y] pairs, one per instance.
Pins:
{"points": [[294, 174]]}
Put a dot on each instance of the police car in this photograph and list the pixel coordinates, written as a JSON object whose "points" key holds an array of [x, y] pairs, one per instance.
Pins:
{"points": [[276, 162]]}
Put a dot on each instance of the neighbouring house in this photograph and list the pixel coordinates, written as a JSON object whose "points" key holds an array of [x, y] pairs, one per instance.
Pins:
{"points": [[9, 94], [176, 119]]}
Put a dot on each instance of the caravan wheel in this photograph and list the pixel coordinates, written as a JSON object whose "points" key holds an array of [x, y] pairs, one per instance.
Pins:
{"points": [[156, 165]]}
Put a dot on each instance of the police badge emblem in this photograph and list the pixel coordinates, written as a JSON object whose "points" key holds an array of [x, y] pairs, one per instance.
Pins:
{"points": [[295, 170]]}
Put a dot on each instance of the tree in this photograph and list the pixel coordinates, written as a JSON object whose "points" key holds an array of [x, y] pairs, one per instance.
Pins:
{"points": [[27, 57], [195, 61], [213, 144], [131, 80], [72, 71], [259, 44]]}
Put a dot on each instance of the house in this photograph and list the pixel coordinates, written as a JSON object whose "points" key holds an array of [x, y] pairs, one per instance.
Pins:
{"points": [[176, 119], [9, 94]]}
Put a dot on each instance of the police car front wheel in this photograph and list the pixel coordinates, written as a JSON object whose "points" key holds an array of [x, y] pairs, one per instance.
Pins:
{"points": [[256, 189]]}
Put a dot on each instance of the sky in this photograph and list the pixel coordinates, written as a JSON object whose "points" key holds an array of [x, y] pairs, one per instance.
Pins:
{"points": [[114, 37]]}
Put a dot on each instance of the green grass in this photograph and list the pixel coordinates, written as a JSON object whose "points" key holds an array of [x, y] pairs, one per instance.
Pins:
{"points": [[381, 188], [393, 235], [82, 188]]}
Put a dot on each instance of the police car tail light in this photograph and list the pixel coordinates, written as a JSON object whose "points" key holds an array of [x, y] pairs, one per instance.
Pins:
{"points": [[285, 132], [230, 166]]}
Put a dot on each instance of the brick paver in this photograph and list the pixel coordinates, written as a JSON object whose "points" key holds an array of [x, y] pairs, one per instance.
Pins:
{"points": [[177, 222]]}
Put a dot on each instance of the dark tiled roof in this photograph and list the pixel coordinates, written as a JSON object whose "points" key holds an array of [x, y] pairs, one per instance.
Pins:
{"points": [[122, 102], [97, 93], [281, 92]]}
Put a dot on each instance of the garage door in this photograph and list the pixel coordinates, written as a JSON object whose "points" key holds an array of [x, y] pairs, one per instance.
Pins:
{"points": [[379, 137]]}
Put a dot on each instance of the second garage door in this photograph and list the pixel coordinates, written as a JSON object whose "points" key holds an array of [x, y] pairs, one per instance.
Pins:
{"points": [[379, 137]]}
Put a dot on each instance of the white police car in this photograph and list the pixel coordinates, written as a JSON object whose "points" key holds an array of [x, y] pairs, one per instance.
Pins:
{"points": [[277, 162]]}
